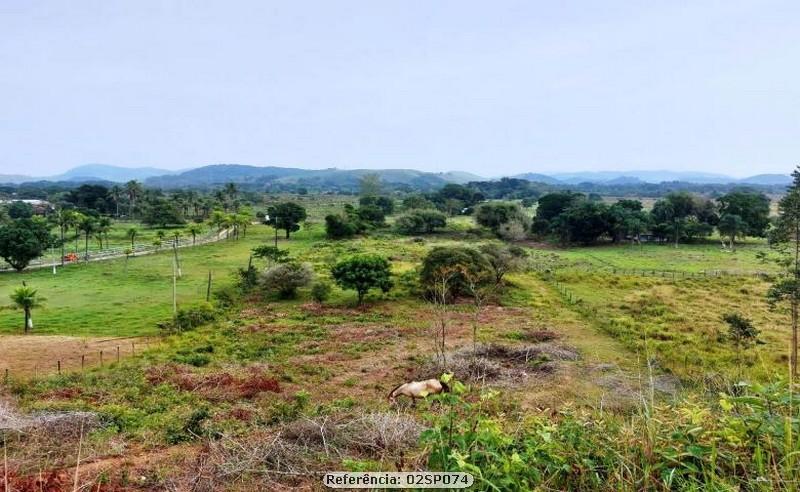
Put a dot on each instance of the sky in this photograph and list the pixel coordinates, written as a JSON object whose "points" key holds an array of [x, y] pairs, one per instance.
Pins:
{"points": [[492, 88]]}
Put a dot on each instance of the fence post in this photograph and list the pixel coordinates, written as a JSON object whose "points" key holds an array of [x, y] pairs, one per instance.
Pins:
{"points": [[59, 367], [133, 349], [117, 353], [83, 361], [5, 378], [101, 358]]}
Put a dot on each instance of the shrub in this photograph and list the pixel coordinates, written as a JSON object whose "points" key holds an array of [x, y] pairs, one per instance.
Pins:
{"points": [[340, 227], [421, 222], [740, 330], [286, 278], [362, 273], [460, 265], [383, 202], [321, 291], [189, 318], [503, 218]]}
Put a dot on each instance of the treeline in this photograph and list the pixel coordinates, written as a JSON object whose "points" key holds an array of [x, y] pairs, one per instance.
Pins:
{"points": [[571, 217], [515, 188]]}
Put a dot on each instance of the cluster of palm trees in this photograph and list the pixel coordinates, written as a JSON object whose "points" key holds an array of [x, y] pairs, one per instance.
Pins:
{"points": [[189, 202], [84, 225], [236, 222]]}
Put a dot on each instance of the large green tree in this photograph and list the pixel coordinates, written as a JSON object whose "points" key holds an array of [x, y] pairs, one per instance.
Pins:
{"points": [[24, 240], [362, 273], [751, 207], [286, 216]]}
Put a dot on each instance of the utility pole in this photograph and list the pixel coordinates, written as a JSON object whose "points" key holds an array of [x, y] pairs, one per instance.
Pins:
{"points": [[174, 289], [276, 232]]}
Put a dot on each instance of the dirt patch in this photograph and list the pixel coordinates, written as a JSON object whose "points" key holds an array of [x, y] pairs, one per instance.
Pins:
{"points": [[27, 356]]}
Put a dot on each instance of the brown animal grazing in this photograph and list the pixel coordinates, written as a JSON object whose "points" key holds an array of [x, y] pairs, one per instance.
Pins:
{"points": [[418, 389]]}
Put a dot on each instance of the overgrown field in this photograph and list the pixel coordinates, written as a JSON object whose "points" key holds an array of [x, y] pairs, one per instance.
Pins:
{"points": [[583, 377]]}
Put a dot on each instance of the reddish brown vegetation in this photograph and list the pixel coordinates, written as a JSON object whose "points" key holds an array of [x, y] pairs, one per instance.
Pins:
{"points": [[217, 386]]}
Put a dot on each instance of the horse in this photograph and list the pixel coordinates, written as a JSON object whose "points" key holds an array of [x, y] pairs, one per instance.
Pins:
{"points": [[418, 389]]}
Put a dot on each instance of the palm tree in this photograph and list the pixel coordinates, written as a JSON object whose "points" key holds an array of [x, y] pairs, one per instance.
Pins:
{"points": [[116, 193], [134, 190], [131, 234], [87, 225], [26, 298], [65, 219], [194, 230], [103, 227]]}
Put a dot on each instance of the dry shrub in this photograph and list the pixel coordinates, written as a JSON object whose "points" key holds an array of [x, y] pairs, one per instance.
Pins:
{"points": [[500, 362], [302, 449], [539, 336], [215, 386]]}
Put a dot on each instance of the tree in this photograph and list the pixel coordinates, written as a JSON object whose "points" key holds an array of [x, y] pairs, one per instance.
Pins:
{"points": [[503, 259], [340, 227], [286, 278], [786, 241], [26, 299], [194, 230], [751, 207], [417, 202], [583, 222], [87, 225], [384, 203], [116, 192], [286, 216], [20, 210], [731, 225], [162, 212], [65, 219], [271, 254], [551, 206], [420, 222], [740, 330], [495, 215], [456, 265], [131, 235], [134, 190], [362, 273], [371, 215], [24, 240], [674, 209], [370, 185]]}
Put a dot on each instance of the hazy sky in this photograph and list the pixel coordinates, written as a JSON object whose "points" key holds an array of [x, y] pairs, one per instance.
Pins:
{"points": [[492, 87]]}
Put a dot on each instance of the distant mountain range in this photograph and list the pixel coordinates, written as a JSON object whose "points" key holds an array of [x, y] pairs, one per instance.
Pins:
{"points": [[636, 177], [340, 179]]}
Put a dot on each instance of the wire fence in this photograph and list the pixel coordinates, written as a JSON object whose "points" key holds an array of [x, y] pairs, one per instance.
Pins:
{"points": [[651, 272], [95, 354], [139, 249]]}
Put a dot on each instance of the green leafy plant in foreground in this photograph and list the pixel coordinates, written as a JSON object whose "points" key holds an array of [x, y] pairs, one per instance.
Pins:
{"points": [[748, 441]]}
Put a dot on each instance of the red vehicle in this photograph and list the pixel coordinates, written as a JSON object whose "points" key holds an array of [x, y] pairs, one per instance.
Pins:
{"points": [[70, 257]]}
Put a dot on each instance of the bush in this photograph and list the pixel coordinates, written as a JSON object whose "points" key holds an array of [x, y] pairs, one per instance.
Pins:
{"points": [[286, 278], [321, 291], [340, 227], [190, 318], [504, 219], [460, 265], [421, 222]]}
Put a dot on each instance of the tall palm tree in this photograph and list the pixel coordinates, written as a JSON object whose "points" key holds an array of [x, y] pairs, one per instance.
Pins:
{"points": [[194, 230], [65, 219], [26, 298], [134, 190], [88, 226], [116, 193], [131, 234], [103, 227]]}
